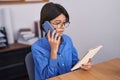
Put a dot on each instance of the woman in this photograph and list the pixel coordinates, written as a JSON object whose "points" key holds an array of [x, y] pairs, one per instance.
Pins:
{"points": [[54, 54]]}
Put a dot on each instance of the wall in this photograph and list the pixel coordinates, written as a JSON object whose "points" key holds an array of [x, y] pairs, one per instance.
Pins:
{"points": [[24, 15], [93, 22]]}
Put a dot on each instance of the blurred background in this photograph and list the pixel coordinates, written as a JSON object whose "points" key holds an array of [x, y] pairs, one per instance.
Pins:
{"points": [[92, 23]]}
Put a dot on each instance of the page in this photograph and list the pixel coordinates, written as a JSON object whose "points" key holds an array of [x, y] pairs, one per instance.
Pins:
{"points": [[88, 55]]}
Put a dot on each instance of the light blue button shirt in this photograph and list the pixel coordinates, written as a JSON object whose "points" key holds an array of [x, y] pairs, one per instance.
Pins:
{"points": [[45, 67]]}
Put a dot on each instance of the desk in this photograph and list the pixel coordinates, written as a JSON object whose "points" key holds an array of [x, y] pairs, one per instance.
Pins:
{"points": [[12, 61], [108, 70]]}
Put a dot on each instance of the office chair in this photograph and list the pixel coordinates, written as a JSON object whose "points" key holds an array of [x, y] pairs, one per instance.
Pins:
{"points": [[30, 65]]}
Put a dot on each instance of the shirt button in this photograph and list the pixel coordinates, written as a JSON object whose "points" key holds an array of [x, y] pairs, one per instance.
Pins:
{"points": [[60, 55], [62, 64]]}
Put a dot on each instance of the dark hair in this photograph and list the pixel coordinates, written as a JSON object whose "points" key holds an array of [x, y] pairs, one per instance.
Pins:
{"points": [[50, 11]]}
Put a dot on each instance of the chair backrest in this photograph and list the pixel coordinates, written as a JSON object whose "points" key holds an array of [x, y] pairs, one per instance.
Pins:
{"points": [[30, 65]]}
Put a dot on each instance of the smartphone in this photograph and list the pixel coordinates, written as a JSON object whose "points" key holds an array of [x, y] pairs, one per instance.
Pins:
{"points": [[47, 26]]}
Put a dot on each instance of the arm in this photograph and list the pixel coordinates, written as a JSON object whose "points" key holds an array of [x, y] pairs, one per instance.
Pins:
{"points": [[45, 67], [54, 42], [46, 61]]}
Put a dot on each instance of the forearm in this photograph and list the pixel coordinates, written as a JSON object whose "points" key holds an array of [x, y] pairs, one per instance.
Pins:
{"points": [[50, 70], [53, 55]]}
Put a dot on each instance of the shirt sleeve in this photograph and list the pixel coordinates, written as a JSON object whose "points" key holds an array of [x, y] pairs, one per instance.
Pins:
{"points": [[75, 58], [45, 67]]}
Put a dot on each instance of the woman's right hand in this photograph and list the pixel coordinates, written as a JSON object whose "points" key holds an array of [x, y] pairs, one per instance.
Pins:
{"points": [[54, 41]]}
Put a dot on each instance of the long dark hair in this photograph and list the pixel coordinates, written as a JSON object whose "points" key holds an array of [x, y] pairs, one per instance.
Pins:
{"points": [[50, 11]]}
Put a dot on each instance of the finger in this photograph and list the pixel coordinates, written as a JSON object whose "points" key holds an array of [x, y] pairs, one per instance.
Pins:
{"points": [[56, 36], [90, 60], [59, 37], [85, 67], [48, 34], [84, 64], [53, 34], [87, 64]]}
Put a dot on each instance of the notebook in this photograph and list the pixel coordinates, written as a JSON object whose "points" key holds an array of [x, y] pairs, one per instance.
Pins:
{"points": [[90, 54]]}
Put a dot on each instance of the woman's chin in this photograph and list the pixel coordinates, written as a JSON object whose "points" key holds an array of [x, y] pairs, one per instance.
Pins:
{"points": [[60, 34]]}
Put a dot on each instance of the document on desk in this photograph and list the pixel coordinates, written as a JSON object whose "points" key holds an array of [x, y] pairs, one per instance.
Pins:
{"points": [[90, 54]]}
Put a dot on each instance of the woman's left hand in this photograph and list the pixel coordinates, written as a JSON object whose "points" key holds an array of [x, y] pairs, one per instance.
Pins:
{"points": [[87, 66]]}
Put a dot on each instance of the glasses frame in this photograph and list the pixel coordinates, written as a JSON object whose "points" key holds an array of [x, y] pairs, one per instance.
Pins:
{"points": [[58, 25]]}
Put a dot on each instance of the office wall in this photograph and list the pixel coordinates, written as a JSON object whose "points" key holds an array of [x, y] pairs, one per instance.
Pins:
{"points": [[93, 22], [23, 15]]}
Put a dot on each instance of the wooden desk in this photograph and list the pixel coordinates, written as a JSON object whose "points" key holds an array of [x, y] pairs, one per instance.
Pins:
{"points": [[108, 70]]}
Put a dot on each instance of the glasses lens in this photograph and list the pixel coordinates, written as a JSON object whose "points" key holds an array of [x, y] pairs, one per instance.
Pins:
{"points": [[67, 24]]}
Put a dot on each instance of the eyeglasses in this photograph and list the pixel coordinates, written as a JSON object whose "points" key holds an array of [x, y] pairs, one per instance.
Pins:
{"points": [[58, 25]]}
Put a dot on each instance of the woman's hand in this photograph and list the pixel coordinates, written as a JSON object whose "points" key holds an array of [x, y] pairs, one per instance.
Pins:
{"points": [[54, 41], [87, 66]]}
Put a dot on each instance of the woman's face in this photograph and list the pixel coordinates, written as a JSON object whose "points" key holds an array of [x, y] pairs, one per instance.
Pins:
{"points": [[59, 24]]}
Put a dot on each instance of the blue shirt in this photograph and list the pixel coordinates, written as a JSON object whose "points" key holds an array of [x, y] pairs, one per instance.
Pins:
{"points": [[46, 67]]}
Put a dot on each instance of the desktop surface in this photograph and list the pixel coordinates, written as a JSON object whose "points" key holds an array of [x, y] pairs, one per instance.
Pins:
{"points": [[108, 70]]}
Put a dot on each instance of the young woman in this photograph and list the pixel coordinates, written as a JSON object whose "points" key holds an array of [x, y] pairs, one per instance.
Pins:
{"points": [[54, 54]]}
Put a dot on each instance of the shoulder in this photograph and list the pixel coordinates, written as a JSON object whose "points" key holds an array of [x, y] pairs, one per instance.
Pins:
{"points": [[41, 47], [39, 43], [36, 43], [36, 46]]}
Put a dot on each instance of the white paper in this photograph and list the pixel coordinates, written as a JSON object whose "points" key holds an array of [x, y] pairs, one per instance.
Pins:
{"points": [[90, 54]]}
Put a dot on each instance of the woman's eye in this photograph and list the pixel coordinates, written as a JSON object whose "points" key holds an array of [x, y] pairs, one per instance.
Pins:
{"points": [[64, 23], [57, 23]]}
